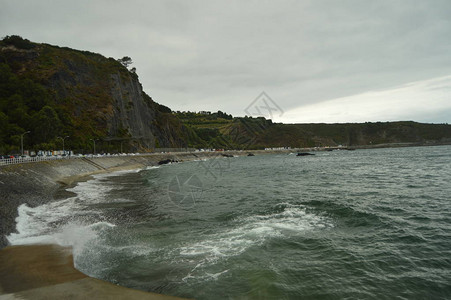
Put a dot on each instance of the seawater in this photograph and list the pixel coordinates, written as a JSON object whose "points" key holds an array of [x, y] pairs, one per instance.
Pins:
{"points": [[367, 224]]}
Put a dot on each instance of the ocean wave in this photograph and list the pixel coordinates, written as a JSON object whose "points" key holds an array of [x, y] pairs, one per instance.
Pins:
{"points": [[151, 167], [73, 234], [69, 222], [248, 232]]}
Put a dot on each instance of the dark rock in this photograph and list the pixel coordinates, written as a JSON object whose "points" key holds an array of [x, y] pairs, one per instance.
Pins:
{"points": [[165, 161], [250, 154], [304, 154]]}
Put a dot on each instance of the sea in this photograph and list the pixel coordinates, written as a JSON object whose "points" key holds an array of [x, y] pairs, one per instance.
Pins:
{"points": [[363, 224]]}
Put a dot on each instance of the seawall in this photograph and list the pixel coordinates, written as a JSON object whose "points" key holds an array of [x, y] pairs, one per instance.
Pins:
{"points": [[40, 182], [47, 272]]}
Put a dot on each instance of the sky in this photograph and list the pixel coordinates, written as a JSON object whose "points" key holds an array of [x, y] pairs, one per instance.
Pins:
{"points": [[295, 61]]}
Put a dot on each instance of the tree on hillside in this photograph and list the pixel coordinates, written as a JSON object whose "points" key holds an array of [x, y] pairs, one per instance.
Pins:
{"points": [[4, 127], [18, 42], [125, 61], [46, 125]]}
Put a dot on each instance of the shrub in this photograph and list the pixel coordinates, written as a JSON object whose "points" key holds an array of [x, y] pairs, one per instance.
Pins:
{"points": [[18, 42]]}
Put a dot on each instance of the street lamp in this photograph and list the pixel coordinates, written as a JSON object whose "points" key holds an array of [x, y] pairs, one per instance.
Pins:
{"points": [[63, 138], [21, 140], [94, 140]]}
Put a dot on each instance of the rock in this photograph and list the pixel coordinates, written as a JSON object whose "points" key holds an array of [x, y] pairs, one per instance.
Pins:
{"points": [[250, 154], [165, 161], [304, 154]]}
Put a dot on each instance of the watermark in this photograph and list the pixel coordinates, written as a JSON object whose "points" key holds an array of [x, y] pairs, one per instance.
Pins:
{"points": [[259, 115], [263, 106], [215, 165], [251, 130], [185, 190]]}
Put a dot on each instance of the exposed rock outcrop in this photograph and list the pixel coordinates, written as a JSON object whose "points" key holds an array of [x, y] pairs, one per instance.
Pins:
{"points": [[95, 97]]}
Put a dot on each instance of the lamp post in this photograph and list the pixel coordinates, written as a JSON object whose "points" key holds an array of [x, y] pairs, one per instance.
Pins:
{"points": [[63, 138], [94, 140], [21, 140]]}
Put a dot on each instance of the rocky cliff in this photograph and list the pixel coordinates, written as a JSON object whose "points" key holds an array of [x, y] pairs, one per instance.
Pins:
{"points": [[93, 97]]}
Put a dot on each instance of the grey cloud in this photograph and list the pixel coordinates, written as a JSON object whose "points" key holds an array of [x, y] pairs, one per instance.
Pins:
{"points": [[221, 54]]}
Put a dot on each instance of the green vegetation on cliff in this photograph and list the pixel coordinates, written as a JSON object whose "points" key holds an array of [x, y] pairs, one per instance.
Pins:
{"points": [[52, 91], [257, 133]]}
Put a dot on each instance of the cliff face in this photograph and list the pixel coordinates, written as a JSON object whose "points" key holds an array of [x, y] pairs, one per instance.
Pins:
{"points": [[129, 111], [135, 111], [94, 98]]}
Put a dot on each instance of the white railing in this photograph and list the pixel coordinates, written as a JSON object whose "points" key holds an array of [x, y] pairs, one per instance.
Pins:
{"points": [[22, 160]]}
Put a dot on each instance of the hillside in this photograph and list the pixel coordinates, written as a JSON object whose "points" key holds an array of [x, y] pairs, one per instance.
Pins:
{"points": [[52, 91], [224, 131], [55, 92]]}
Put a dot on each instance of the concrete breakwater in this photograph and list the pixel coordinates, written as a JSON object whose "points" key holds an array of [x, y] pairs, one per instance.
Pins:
{"points": [[38, 183], [47, 272]]}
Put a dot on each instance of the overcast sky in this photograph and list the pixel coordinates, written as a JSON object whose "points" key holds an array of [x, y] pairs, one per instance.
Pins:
{"points": [[318, 61]]}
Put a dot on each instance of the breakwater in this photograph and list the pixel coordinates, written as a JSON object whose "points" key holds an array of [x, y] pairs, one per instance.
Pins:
{"points": [[47, 272]]}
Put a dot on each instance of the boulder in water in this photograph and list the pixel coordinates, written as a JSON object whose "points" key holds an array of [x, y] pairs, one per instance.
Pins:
{"points": [[166, 161], [304, 154]]}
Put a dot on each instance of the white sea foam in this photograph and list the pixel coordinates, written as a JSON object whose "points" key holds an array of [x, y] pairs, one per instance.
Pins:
{"points": [[151, 167], [256, 229], [96, 189], [205, 277], [32, 230], [249, 232], [66, 222]]}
